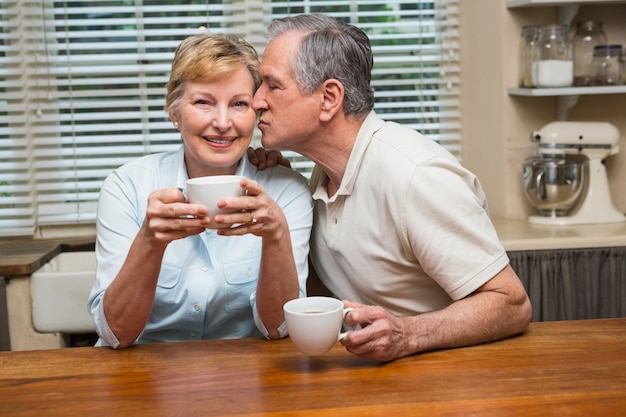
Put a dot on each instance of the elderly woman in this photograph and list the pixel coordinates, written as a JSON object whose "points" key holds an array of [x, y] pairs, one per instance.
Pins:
{"points": [[161, 274]]}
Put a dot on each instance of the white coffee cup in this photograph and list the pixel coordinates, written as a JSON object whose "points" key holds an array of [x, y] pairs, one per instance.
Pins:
{"points": [[314, 323], [209, 190]]}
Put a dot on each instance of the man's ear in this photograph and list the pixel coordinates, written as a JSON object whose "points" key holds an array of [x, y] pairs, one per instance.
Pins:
{"points": [[332, 99]]}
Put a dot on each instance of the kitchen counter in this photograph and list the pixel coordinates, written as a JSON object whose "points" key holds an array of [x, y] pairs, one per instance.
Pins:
{"points": [[20, 257], [519, 235], [24, 256]]}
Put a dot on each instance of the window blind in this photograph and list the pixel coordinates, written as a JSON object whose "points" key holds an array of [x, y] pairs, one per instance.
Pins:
{"points": [[416, 59], [82, 86]]}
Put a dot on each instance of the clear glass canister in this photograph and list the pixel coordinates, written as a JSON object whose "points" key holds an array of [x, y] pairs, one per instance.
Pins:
{"points": [[527, 43], [608, 65], [588, 35], [552, 58]]}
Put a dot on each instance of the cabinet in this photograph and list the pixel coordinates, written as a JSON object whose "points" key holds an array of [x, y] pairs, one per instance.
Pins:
{"points": [[498, 119], [567, 97], [568, 284]]}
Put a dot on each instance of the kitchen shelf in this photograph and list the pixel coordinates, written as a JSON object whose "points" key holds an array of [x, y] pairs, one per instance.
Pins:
{"points": [[512, 4], [567, 91], [567, 97]]}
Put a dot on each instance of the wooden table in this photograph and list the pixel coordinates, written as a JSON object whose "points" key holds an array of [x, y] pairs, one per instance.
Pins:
{"points": [[570, 368]]}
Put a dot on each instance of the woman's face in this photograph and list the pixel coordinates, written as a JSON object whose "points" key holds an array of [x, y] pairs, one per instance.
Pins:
{"points": [[216, 121]]}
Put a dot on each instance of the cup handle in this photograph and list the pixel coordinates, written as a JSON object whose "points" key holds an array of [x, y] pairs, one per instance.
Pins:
{"points": [[344, 334]]}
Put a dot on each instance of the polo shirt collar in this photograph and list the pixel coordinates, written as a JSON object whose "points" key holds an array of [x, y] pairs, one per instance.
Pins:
{"points": [[370, 126]]}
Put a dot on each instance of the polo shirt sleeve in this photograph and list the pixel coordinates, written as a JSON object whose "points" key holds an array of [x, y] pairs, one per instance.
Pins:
{"points": [[450, 230]]}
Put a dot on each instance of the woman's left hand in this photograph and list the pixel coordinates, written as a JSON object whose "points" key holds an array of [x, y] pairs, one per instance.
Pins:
{"points": [[256, 213]]}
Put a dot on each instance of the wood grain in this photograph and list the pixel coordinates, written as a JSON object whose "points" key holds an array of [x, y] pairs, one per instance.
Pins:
{"points": [[573, 368]]}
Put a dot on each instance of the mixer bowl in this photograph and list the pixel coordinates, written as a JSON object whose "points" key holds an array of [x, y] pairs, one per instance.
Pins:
{"points": [[553, 185]]}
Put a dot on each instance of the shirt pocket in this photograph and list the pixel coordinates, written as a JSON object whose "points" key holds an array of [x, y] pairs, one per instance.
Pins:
{"points": [[241, 278], [166, 292]]}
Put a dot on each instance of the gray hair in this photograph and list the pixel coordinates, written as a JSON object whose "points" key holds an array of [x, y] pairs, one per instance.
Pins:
{"points": [[331, 49]]}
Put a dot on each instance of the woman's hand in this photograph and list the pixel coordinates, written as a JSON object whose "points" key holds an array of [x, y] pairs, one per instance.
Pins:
{"points": [[169, 216], [256, 213]]}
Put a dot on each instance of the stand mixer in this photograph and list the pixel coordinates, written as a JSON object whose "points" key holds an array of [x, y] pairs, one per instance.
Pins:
{"points": [[567, 181]]}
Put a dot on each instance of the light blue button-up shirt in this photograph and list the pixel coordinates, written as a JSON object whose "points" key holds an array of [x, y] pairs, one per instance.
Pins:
{"points": [[207, 284]]}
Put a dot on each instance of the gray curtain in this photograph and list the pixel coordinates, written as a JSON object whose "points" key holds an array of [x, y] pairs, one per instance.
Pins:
{"points": [[571, 284]]}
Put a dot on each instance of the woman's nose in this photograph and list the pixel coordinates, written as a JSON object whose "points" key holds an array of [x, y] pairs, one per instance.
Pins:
{"points": [[222, 120]]}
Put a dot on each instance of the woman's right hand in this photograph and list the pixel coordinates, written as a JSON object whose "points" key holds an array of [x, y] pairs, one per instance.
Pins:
{"points": [[170, 216]]}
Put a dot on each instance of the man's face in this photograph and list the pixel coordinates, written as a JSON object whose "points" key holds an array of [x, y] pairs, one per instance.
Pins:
{"points": [[287, 118]]}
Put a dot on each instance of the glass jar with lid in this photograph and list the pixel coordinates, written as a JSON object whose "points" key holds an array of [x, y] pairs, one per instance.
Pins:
{"points": [[552, 57], [588, 35], [527, 43], [608, 65]]}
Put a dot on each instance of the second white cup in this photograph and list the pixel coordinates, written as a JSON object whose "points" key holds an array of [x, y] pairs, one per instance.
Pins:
{"points": [[314, 323], [209, 190]]}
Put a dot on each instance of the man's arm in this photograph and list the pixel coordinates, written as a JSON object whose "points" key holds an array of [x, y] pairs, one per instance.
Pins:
{"points": [[498, 309]]}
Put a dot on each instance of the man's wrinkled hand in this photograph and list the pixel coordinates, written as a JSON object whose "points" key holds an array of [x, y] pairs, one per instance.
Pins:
{"points": [[262, 158]]}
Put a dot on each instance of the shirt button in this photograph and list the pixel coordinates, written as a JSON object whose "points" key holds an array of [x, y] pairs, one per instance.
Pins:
{"points": [[196, 307], [249, 272], [205, 268]]}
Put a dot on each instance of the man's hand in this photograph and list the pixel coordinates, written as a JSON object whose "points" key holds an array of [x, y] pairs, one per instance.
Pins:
{"points": [[263, 158], [381, 336]]}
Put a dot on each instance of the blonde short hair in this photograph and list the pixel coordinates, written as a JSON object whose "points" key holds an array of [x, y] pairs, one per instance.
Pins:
{"points": [[209, 57]]}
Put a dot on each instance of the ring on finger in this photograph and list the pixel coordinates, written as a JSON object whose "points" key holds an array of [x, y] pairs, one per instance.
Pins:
{"points": [[252, 218]]}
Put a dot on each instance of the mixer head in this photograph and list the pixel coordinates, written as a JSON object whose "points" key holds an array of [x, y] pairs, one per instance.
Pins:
{"points": [[596, 140]]}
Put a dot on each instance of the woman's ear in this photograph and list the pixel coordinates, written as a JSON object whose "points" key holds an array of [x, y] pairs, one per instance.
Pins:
{"points": [[332, 99], [174, 120]]}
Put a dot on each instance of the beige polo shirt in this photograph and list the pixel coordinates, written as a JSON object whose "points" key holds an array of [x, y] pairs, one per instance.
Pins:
{"points": [[408, 229]]}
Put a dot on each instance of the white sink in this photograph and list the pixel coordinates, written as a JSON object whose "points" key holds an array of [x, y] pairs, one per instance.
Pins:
{"points": [[60, 290]]}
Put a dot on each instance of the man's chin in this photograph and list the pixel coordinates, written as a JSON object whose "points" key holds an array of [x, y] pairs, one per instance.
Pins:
{"points": [[268, 144]]}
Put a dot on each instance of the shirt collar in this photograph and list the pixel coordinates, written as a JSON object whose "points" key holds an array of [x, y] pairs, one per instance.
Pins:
{"points": [[370, 126]]}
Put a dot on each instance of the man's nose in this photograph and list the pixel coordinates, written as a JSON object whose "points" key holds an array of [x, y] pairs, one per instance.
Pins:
{"points": [[258, 101]]}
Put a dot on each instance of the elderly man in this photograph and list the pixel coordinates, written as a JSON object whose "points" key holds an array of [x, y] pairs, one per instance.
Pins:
{"points": [[401, 229]]}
